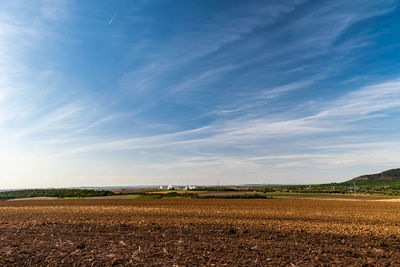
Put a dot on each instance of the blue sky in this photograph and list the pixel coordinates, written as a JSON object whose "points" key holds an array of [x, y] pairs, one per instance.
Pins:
{"points": [[96, 93]]}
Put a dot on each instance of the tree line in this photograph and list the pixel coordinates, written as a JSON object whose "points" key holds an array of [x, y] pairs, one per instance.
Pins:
{"points": [[60, 193]]}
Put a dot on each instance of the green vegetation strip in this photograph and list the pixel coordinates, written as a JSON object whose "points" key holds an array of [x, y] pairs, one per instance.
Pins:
{"points": [[60, 193]]}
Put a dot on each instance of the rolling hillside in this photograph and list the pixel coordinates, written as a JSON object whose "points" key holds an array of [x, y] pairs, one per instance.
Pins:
{"points": [[392, 175]]}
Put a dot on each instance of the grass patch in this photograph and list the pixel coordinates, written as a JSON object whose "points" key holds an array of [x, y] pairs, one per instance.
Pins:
{"points": [[67, 198], [244, 196], [131, 196], [152, 196]]}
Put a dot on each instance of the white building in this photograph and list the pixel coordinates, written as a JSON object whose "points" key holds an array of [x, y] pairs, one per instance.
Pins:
{"points": [[189, 187]]}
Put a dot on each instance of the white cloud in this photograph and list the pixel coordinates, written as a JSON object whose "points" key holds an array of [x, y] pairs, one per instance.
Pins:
{"points": [[363, 102], [266, 140], [217, 32]]}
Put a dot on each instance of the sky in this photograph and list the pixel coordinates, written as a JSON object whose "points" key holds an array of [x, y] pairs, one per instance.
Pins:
{"points": [[147, 92]]}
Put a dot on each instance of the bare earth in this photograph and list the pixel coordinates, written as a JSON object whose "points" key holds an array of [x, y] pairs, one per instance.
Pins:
{"points": [[234, 232]]}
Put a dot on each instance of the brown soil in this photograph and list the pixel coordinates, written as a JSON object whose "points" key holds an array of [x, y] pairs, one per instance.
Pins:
{"points": [[186, 232]]}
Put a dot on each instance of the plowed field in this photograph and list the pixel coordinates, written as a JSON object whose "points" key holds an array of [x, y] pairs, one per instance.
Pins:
{"points": [[181, 232]]}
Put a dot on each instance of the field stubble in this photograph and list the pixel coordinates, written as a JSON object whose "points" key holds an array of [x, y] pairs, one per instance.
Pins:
{"points": [[199, 232]]}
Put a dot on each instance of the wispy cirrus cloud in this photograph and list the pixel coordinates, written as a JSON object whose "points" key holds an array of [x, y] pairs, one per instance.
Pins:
{"points": [[243, 145], [370, 99], [217, 32], [337, 115], [242, 84]]}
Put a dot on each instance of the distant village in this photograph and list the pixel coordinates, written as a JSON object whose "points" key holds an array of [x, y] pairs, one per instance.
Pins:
{"points": [[170, 187]]}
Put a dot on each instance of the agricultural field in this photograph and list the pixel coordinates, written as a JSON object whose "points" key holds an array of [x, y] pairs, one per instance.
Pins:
{"points": [[232, 232]]}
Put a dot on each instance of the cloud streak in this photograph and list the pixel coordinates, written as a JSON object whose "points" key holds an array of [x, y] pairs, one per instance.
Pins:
{"points": [[112, 19]]}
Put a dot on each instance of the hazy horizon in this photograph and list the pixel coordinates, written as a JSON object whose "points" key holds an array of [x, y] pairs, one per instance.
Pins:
{"points": [[149, 92]]}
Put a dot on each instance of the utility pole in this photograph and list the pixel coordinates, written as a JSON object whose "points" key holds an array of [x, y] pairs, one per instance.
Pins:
{"points": [[354, 187]]}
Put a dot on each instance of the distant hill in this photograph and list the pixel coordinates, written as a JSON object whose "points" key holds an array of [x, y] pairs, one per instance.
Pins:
{"points": [[392, 175]]}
